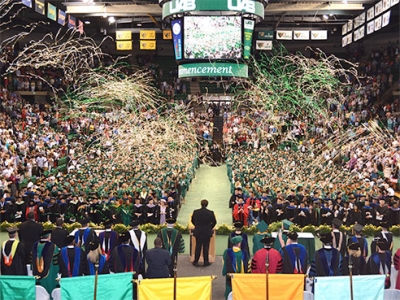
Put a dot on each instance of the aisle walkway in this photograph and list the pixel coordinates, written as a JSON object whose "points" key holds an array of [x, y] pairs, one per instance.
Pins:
{"points": [[211, 183]]}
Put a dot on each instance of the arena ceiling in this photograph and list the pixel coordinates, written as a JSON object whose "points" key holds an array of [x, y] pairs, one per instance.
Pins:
{"points": [[279, 14]]}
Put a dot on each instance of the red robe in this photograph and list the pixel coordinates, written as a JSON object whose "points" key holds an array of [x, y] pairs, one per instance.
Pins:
{"points": [[35, 211], [396, 262], [259, 260], [241, 216]]}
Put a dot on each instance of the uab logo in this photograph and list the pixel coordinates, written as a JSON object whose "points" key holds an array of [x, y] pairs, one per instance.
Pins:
{"points": [[181, 5], [242, 5]]}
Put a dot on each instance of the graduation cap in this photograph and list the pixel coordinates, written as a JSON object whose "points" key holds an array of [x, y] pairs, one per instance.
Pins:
{"points": [[45, 233], [267, 239], [170, 221], [69, 239], [354, 246], [84, 221], [124, 237], [337, 222], [286, 224], [108, 223], [262, 226], [292, 235], [238, 225], [94, 245], [236, 240], [12, 229], [136, 223], [326, 238], [382, 243], [358, 228]]}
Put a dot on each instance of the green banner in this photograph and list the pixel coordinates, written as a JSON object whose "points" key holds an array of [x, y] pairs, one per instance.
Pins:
{"points": [[265, 35], [248, 37], [51, 12], [116, 286], [215, 69], [182, 6], [17, 287]]}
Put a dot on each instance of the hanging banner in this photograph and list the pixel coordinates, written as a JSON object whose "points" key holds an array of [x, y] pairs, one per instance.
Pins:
{"points": [[386, 18], [280, 286], [263, 45], [370, 27], [394, 2], [167, 34], [124, 45], [208, 69], [27, 3], [338, 287], [17, 287], [51, 12], [319, 34], [148, 45], [39, 7], [301, 35], [378, 23], [265, 35], [370, 13], [116, 286], [71, 21], [284, 35], [61, 17], [385, 5], [176, 26], [80, 26], [378, 8], [186, 288], [344, 29], [123, 35], [248, 37], [147, 34]]}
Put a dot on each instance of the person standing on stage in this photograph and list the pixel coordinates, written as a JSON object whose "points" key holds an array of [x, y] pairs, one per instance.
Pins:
{"points": [[124, 257], [13, 255], [267, 254], [72, 259], [45, 262], [294, 256], [84, 235], [172, 241], [139, 241], [380, 262], [327, 260], [204, 222], [59, 234], [339, 238], [108, 239], [358, 238], [244, 244], [359, 265], [235, 260], [158, 261], [29, 233]]}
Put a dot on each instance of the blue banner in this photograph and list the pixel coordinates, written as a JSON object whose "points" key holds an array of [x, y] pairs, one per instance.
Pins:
{"points": [[71, 21], [177, 37], [338, 287], [61, 17], [27, 3]]}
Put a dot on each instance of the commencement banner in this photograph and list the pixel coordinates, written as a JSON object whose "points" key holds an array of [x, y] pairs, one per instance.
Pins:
{"points": [[338, 287], [147, 34], [148, 45], [248, 37], [17, 287], [116, 286], [212, 69], [198, 288], [123, 35], [124, 45], [51, 12], [280, 286], [61, 17]]}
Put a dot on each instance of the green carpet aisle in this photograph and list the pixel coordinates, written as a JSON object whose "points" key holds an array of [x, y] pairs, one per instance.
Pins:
{"points": [[211, 183]]}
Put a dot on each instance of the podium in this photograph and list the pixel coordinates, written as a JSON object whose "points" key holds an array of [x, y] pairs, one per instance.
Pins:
{"points": [[211, 250]]}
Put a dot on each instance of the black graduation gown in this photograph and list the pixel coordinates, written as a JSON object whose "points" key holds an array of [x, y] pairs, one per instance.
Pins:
{"points": [[81, 268], [20, 207], [53, 212], [302, 219], [151, 214], [138, 209], [266, 214], [17, 265], [124, 258], [342, 246], [388, 237], [375, 265], [319, 266], [359, 266]]}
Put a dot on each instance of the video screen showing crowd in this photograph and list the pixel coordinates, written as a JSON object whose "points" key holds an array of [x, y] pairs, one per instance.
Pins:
{"points": [[213, 37], [51, 254]]}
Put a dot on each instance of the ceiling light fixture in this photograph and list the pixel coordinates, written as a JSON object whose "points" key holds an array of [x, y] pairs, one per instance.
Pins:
{"points": [[87, 22], [111, 20], [325, 17]]}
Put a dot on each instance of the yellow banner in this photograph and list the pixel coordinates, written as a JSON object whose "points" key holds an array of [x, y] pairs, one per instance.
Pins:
{"points": [[123, 35], [148, 45], [186, 288], [280, 286], [124, 45], [167, 34], [147, 34]]}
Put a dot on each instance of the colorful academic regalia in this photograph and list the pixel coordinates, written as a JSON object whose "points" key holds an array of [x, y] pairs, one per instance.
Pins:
{"points": [[380, 263], [124, 258], [108, 240], [396, 263], [235, 261], [173, 242], [327, 262], [13, 258], [72, 261], [259, 260], [244, 245], [295, 259]]}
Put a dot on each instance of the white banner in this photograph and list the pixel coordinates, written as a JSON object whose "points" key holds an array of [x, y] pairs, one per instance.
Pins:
{"points": [[370, 27], [394, 2], [378, 8], [344, 29], [301, 35], [319, 34], [284, 35], [263, 45], [386, 18], [386, 5], [378, 23], [349, 25], [370, 13]]}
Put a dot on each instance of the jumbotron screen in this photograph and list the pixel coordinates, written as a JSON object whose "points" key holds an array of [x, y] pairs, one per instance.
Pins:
{"points": [[212, 37]]}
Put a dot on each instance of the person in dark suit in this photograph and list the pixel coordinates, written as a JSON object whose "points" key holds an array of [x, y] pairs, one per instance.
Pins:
{"points": [[12, 258], [72, 260], [59, 234], [204, 222], [29, 233], [158, 261]]}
